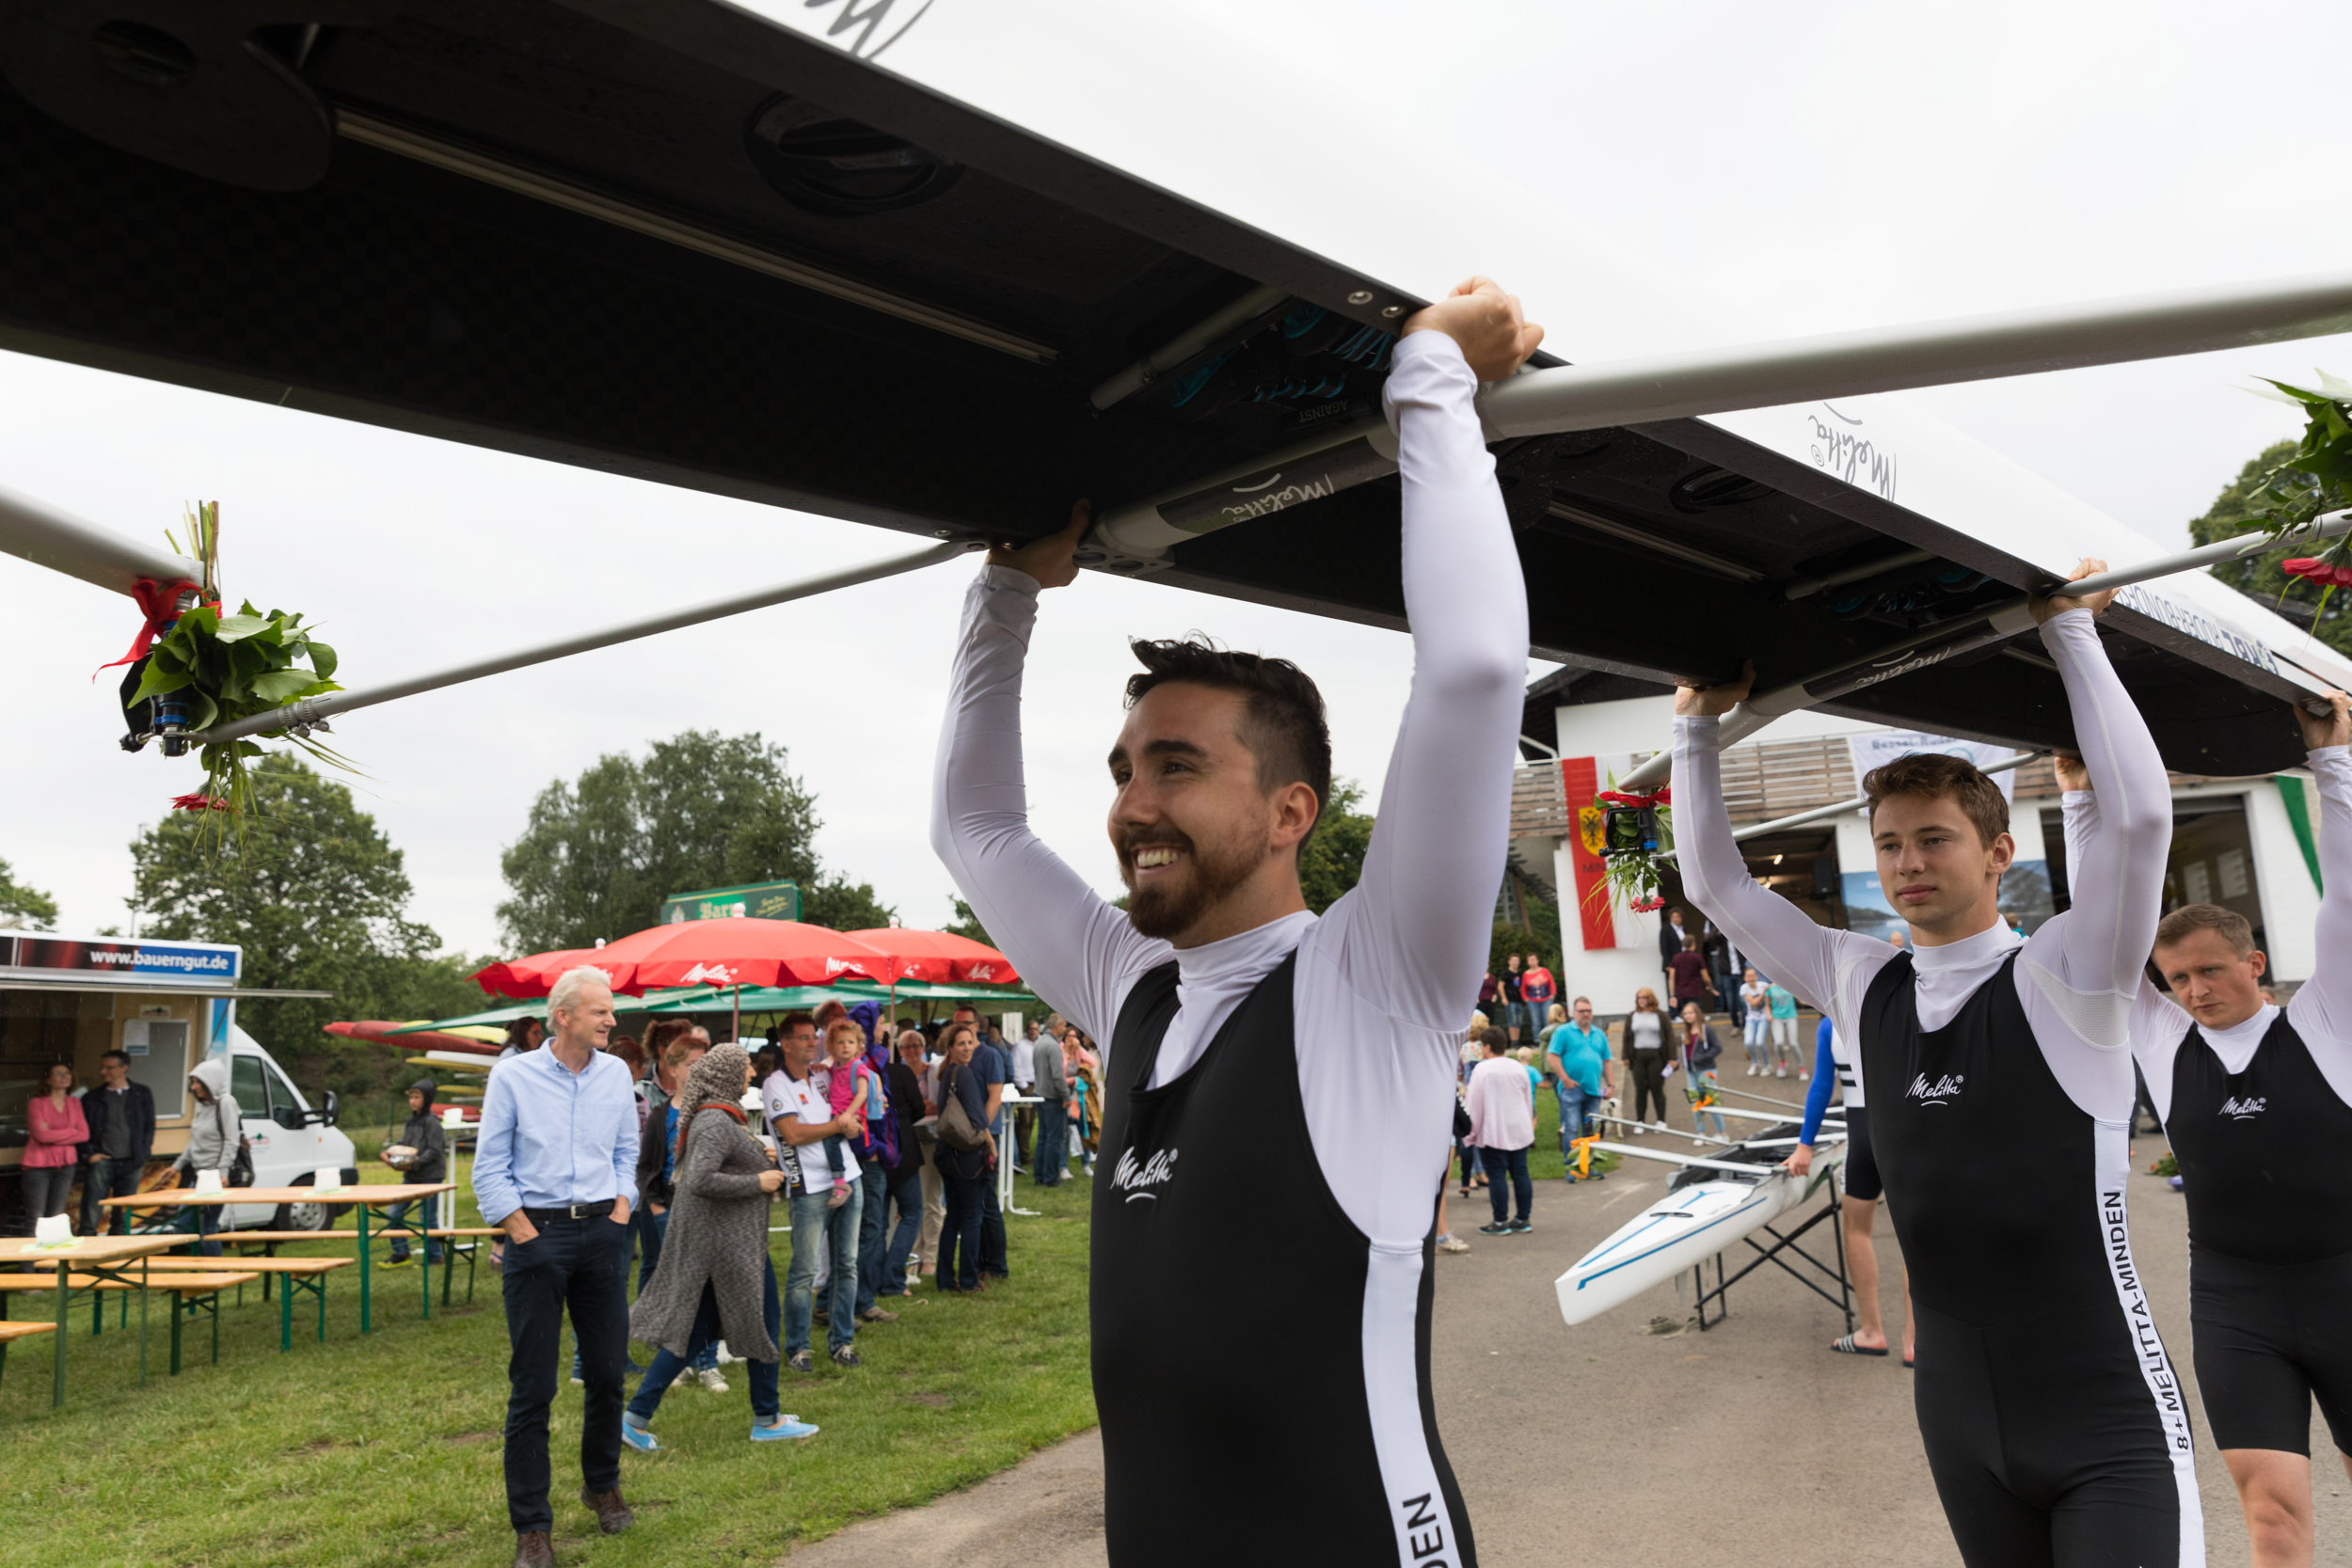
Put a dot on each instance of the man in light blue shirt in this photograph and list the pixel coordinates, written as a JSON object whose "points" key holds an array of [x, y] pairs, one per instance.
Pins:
{"points": [[556, 1164], [1576, 1060]]}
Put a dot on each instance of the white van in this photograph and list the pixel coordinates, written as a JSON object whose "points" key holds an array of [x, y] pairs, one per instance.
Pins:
{"points": [[291, 1139]]}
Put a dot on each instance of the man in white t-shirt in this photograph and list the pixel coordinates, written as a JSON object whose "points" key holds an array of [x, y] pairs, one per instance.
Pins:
{"points": [[800, 1116]]}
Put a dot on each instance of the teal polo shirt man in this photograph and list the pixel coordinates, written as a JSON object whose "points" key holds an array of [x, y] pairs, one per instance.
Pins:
{"points": [[1577, 1062]]}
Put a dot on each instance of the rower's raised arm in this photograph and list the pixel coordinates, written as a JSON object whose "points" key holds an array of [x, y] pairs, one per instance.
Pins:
{"points": [[2322, 1010], [1825, 967], [1071, 947], [2117, 879], [1423, 916]]}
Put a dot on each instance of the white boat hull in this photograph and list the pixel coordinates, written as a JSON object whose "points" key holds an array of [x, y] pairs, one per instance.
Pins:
{"points": [[1680, 1230]]}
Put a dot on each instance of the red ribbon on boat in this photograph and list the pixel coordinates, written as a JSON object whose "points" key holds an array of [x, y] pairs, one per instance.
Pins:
{"points": [[1661, 796], [159, 602], [2311, 569]]}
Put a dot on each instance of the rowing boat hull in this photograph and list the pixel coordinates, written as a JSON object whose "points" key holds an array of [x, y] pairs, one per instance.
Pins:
{"points": [[1681, 1230]]}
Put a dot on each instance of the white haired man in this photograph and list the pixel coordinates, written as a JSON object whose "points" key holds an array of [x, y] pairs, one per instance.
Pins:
{"points": [[556, 1164]]}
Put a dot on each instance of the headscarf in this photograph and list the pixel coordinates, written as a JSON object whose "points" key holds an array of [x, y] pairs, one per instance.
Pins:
{"points": [[715, 1080]]}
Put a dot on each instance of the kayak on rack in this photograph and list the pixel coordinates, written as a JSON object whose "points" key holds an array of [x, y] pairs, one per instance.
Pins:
{"points": [[1713, 1204]]}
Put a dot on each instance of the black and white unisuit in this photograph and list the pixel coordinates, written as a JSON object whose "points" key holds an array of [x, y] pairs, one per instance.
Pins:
{"points": [[2260, 1119], [1311, 1057], [2000, 1093]]}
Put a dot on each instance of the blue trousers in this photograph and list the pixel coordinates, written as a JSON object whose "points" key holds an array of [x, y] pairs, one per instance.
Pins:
{"points": [[959, 1266], [667, 1367], [580, 1266], [882, 1260], [1510, 1163], [813, 1217], [1053, 1144]]}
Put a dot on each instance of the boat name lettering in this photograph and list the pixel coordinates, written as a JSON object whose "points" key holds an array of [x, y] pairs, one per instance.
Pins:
{"points": [[869, 24], [1268, 501], [1856, 459], [2192, 623]]}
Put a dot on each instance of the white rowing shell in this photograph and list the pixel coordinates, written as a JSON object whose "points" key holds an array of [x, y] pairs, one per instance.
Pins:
{"points": [[1680, 1230]]}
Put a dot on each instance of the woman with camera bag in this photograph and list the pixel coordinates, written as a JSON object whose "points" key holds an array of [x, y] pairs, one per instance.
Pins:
{"points": [[966, 1157]]}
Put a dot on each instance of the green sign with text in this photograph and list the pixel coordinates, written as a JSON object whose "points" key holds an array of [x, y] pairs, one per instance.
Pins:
{"points": [[760, 901]]}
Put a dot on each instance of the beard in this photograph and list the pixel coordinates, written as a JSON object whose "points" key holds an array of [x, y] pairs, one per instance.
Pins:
{"points": [[1166, 907]]}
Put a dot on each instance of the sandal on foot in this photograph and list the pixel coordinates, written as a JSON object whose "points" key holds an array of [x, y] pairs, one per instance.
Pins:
{"points": [[1844, 1345]]}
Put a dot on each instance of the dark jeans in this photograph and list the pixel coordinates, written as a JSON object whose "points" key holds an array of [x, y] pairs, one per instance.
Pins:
{"points": [[207, 1221], [399, 1212], [1052, 1144], [994, 1258], [1647, 1068], [1511, 1162], [46, 1189], [1572, 1102], [107, 1178], [580, 1265], [958, 1265], [651, 1230], [1470, 1161], [881, 1266], [666, 1367]]}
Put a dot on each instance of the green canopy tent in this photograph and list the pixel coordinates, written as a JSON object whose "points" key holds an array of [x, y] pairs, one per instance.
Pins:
{"points": [[756, 999]]}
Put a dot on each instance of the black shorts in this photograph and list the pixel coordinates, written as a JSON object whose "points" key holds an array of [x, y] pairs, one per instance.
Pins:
{"points": [[2270, 1339], [1860, 1174]]}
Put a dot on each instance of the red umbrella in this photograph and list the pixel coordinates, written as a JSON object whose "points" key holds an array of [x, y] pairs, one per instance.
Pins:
{"points": [[939, 957], [740, 951], [523, 978]]}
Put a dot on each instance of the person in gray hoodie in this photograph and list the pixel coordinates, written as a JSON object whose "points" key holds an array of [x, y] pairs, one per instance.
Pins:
{"points": [[215, 1129], [421, 1134]]}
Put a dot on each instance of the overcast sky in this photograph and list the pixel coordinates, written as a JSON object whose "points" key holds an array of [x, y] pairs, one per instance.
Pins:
{"points": [[1802, 170]]}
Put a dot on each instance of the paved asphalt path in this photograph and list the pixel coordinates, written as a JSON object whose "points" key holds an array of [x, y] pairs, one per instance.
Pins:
{"points": [[1610, 1444]]}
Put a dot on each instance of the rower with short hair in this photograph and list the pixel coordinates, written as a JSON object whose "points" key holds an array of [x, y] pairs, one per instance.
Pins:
{"points": [[1999, 1095], [2257, 1103], [1256, 1047]]}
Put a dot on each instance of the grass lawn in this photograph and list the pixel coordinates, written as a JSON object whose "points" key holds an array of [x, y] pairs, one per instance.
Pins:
{"points": [[386, 1449]]}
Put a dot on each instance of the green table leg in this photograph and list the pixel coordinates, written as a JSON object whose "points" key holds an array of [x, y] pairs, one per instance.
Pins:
{"points": [[56, 1390], [179, 1310], [285, 1319], [212, 1307], [425, 1242], [318, 1287], [365, 1327], [146, 1278]]}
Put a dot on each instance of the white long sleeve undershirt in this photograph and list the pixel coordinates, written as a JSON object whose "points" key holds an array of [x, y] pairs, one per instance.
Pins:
{"points": [[2078, 973], [2321, 1010], [1388, 974]]}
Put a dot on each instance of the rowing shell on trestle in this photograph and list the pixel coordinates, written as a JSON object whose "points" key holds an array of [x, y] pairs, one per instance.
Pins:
{"points": [[1715, 1202]]}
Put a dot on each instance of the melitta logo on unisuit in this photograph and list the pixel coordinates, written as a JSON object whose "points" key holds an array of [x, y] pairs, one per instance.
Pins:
{"points": [[1942, 1091], [1132, 1177], [2239, 1110]]}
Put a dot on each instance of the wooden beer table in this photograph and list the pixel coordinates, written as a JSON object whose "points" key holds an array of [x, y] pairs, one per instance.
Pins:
{"points": [[362, 1199], [120, 1259]]}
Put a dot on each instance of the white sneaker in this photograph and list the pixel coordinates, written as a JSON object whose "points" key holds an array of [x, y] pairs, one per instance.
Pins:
{"points": [[1698, 1143], [711, 1380], [1450, 1242], [726, 1356]]}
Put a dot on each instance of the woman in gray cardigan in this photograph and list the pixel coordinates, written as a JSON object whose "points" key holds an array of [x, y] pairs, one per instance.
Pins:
{"points": [[715, 1281]]}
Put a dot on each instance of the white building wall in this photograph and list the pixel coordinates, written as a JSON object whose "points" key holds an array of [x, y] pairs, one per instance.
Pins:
{"points": [[1609, 975], [2290, 903]]}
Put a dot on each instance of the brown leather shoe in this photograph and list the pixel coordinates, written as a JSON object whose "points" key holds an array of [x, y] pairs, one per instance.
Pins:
{"points": [[612, 1515], [532, 1549]]}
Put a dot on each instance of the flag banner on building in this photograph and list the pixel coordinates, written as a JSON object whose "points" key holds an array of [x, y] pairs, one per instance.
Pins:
{"points": [[1579, 778], [1877, 748]]}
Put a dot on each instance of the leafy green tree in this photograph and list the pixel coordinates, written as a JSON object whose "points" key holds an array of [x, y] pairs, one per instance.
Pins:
{"points": [[599, 854], [2260, 578], [318, 898], [1333, 861], [966, 924], [23, 905]]}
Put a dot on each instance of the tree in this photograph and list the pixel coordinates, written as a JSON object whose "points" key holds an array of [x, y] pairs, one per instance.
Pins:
{"points": [[1333, 859], [2260, 578], [318, 900], [599, 854], [22, 905], [966, 924]]}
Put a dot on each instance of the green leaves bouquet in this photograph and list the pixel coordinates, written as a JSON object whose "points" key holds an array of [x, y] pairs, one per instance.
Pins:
{"points": [[2315, 478], [216, 667]]}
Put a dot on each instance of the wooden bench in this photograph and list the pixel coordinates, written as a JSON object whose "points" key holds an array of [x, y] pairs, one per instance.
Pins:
{"points": [[301, 1275], [19, 1331], [465, 1239], [196, 1293]]}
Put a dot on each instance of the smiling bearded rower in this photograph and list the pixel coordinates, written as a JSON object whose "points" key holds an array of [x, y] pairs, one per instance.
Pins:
{"points": [[1255, 1048], [2000, 1093], [2258, 1105]]}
